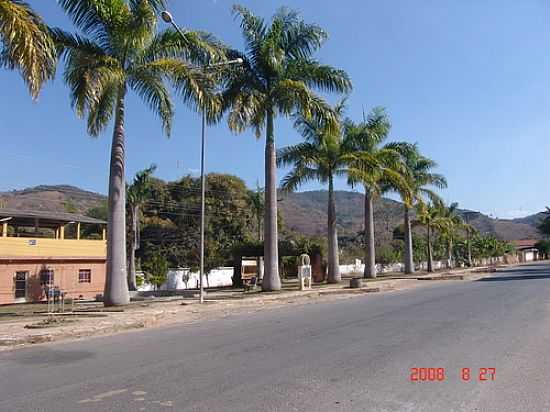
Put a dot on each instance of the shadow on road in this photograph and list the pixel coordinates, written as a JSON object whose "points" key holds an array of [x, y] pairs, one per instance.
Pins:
{"points": [[49, 356], [525, 272]]}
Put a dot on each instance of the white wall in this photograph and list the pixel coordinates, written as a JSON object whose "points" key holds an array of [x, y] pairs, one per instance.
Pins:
{"points": [[183, 278]]}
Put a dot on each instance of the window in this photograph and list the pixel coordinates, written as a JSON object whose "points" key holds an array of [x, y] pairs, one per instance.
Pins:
{"points": [[46, 277], [21, 285], [84, 276]]}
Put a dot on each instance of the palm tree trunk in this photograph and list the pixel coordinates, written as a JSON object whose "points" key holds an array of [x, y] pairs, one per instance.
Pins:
{"points": [[116, 282], [470, 263], [133, 247], [370, 257], [430, 254], [333, 261], [271, 280], [409, 262], [450, 252]]}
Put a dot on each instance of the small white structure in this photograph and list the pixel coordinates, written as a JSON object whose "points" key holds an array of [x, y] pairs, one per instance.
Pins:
{"points": [[304, 272]]}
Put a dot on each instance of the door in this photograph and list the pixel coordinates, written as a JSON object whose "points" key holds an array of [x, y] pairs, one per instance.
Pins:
{"points": [[21, 286]]}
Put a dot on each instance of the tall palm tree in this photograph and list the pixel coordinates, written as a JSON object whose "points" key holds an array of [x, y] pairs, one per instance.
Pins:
{"points": [[450, 222], [382, 168], [25, 44], [256, 199], [120, 50], [138, 193], [277, 78], [322, 157], [420, 181], [430, 215]]}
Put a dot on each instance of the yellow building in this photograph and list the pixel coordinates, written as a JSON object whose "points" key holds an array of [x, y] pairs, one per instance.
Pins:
{"points": [[41, 250]]}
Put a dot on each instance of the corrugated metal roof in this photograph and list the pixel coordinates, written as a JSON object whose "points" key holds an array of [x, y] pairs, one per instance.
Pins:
{"points": [[49, 216]]}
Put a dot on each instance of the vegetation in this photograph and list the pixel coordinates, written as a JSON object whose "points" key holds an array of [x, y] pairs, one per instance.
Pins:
{"points": [[420, 180], [376, 167], [277, 78], [26, 44], [120, 50], [156, 270], [137, 195], [543, 247], [323, 156]]}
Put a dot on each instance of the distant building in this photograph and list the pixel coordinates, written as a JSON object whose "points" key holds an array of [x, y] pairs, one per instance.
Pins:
{"points": [[47, 250], [526, 250]]}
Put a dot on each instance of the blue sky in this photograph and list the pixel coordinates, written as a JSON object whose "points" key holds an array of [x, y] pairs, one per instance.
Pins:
{"points": [[468, 80]]}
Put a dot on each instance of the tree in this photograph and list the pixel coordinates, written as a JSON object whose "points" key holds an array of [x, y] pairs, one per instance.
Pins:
{"points": [[420, 179], [26, 44], [156, 269], [544, 224], [171, 223], [120, 50], [258, 206], [449, 222], [428, 215], [543, 246], [323, 156], [137, 195], [382, 168], [277, 77]]}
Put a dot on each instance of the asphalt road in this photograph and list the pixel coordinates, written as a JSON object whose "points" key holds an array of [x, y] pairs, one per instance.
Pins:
{"points": [[352, 355]]}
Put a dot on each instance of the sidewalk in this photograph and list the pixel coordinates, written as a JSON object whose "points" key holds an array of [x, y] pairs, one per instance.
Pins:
{"points": [[219, 304]]}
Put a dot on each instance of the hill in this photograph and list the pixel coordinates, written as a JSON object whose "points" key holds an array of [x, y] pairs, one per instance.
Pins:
{"points": [[303, 212], [58, 198], [306, 212]]}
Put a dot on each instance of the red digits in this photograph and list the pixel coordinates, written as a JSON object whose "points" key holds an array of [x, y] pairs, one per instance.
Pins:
{"points": [[482, 372], [485, 372], [427, 374], [466, 374]]}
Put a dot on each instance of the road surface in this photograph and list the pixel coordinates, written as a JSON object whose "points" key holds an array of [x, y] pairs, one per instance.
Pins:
{"points": [[351, 355]]}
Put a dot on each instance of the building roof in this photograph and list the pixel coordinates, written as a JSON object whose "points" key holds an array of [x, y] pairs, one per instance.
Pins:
{"points": [[525, 243], [45, 218]]}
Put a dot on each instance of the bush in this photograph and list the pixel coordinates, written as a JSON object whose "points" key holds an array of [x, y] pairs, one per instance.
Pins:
{"points": [[386, 255]]}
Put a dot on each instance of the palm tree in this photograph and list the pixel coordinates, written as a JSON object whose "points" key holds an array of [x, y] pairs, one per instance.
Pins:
{"points": [[323, 156], [137, 194], [256, 199], [420, 179], [382, 168], [429, 215], [26, 44], [120, 50], [277, 78], [450, 222]]}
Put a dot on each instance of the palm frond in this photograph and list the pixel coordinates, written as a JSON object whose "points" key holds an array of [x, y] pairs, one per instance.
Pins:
{"points": [[319, 76], [302, 153], [253, 29], [26, 44], [101, 109], [149, 85], [195, 47], [297, 177], [96, 18]]}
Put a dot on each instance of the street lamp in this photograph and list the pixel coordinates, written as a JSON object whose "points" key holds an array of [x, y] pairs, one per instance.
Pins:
{"points": [[167, 17]]}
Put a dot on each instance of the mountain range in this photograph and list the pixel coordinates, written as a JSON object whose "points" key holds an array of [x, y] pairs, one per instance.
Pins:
{"points": [[302, 212]]}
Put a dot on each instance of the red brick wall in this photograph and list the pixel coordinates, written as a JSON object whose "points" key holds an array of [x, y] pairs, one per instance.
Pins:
{"points": [[65, 277]]}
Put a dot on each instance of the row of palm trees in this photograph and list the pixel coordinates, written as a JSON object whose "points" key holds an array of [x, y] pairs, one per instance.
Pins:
{"points": [[119, 48], [359, 152]]}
